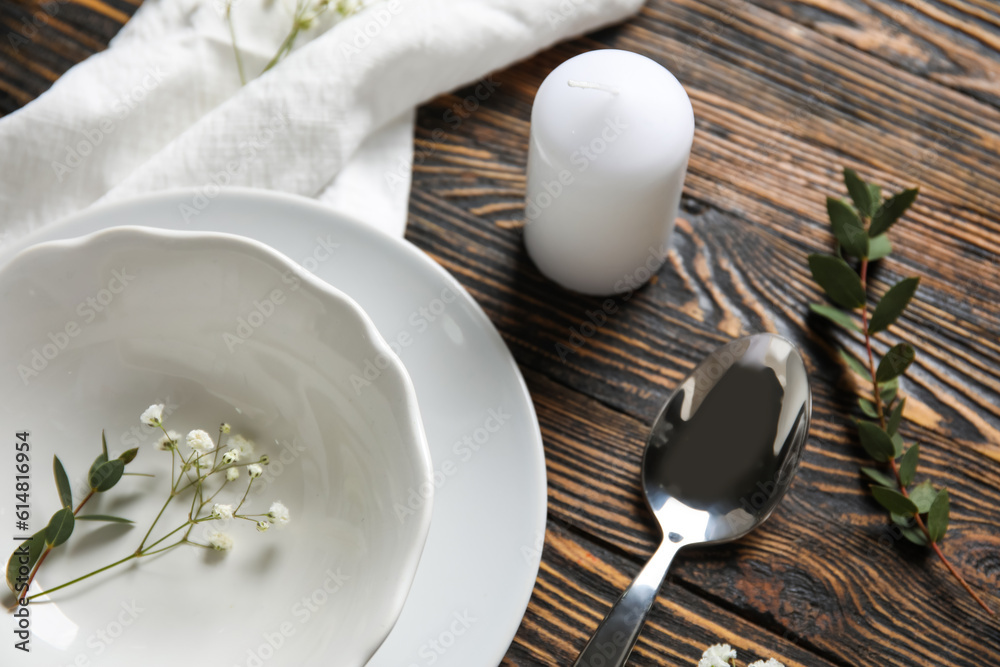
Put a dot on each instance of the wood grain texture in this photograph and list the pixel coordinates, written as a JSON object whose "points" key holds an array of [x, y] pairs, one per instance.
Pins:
{"points": [[785, 94], [41, 40]]}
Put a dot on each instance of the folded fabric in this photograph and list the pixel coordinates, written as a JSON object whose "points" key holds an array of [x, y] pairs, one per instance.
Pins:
{"points": [[163, 107]]}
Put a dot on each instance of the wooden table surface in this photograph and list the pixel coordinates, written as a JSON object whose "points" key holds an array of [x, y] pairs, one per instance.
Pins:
{"points": [[785, 94]]}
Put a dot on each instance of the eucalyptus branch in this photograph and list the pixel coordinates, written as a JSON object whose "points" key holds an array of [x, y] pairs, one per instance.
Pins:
{"points": [[921, 512], [24, 564]]}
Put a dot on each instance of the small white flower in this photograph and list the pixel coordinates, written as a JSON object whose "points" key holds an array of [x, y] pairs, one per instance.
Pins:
{"points": [[241, 444], [222, 511], [200, 441], [167, 441], [153, 416], [254, 470], [279, 513], [771, 662], [265, 459], [717, 655], [225, 428], [262, 526], [220, 541], [233, 474], [232, 456]]}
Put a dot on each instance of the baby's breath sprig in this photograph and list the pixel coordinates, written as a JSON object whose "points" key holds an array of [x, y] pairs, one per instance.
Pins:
{"points": [[861, 229], [204, 471], [304, 16]]}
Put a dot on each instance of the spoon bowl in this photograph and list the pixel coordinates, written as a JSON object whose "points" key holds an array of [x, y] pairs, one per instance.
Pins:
{"points": [[719, 457]]}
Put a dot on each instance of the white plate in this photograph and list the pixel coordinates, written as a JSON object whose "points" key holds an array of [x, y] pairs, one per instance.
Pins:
{"points": [[168, 331], [482, 555]]}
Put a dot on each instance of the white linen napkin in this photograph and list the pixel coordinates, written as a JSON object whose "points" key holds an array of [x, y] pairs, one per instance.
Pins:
{"points": [[163, 107]]}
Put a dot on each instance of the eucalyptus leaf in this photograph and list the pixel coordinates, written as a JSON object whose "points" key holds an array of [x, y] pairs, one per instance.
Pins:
{"points": [[876, 442], [901, 520], [835, 315], [861, 195], [937, 517], [62, 483], [868, 408], [891, 210], [923, 496], [895, 362], [60, 527], [895, 417], [876, 194], [908, 465], [104, 445], [838, 280], [887, 390], [879, 477], [893, 304], [897, 444], [128, 456], [856, 366], [893, 501], [28, 551], [101, 459], [107, 475], [914, 535], [847, 227], [103, 517], [879, 247]]}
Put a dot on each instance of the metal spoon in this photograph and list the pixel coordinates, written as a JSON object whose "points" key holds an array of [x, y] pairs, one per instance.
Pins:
{"points": [[719, 457]]}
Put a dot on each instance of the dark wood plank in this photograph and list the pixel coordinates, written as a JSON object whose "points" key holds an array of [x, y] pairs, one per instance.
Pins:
{"points": [[41, 40], [952, 42], [578, 583]]}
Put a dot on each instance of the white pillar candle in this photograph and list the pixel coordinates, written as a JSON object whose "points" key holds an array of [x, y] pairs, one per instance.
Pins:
{"points": [[611, 133]]}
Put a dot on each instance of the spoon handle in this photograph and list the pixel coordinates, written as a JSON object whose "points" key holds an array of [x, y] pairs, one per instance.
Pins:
{"points": [[614, 638]]}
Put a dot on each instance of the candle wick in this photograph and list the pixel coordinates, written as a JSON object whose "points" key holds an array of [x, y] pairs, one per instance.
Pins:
{"points": [[593, 86]]}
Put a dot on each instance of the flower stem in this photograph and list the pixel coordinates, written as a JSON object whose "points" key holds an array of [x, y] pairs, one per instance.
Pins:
{"points": [[162, 549], [245, 494], [892, 462], [180, 527], [153, 525], [86, 576], [236, 50]]}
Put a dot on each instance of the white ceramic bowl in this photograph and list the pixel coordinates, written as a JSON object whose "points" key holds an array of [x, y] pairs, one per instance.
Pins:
{"points": [[219, 328]]}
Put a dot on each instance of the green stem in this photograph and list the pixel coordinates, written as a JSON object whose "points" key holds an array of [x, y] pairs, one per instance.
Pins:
{"points": [[236, 50], [285, 47], [212, 497], [86, 576], [153, 525], [161, 550], [180, 527], [245, 494]]}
